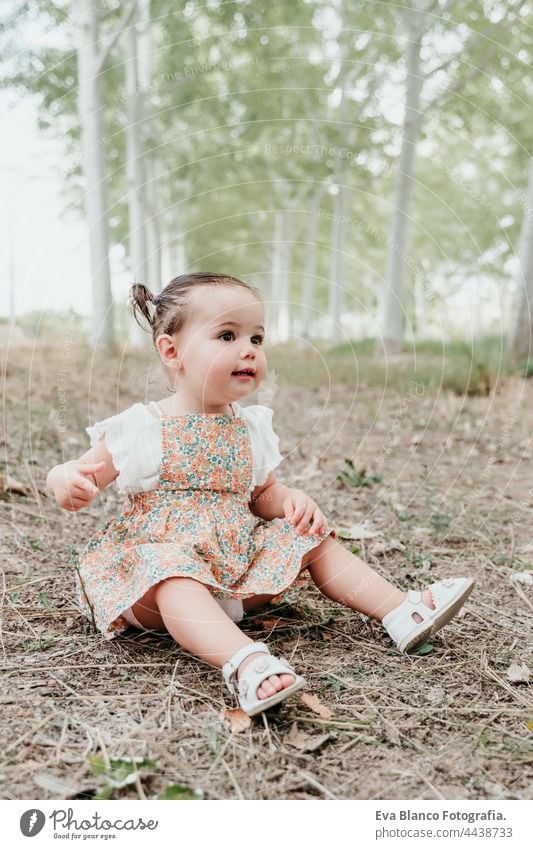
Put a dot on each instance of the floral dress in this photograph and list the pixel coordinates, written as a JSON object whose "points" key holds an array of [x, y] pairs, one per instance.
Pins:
{"points": [[195, 523]]}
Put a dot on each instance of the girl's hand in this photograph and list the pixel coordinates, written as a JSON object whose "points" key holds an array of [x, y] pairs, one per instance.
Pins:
{"points": [[300, 509], [71, 484]]}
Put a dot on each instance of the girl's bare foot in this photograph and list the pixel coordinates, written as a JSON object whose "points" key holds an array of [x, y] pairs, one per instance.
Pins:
{"points": [[270, 685]]}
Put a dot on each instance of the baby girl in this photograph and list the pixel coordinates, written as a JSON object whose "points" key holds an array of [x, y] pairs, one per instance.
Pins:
{"points": [[207, 533]]}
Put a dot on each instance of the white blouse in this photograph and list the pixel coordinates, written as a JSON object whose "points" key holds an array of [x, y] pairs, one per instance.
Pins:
{"points": [[133, 438]]}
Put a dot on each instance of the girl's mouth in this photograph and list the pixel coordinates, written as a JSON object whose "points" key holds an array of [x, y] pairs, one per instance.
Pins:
{"points": [[243, 375]]}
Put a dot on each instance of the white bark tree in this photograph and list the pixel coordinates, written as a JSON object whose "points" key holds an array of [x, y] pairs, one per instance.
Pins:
{"points": [[150, 160], [420, 17], [336, 279], [90, 58], [308, 289], [338, 227], [134, 169], [393, 292], [279, 306], [520, 339]]}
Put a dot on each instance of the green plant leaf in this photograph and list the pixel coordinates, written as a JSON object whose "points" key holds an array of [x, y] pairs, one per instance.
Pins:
{"points": [[334, 683], [353, 478], [181, 792], [44, 601], [425, 648], [45, 641]]}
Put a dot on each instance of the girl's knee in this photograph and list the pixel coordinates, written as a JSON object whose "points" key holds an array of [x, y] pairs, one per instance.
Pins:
{"points": [[315, 553], [169, 586]]}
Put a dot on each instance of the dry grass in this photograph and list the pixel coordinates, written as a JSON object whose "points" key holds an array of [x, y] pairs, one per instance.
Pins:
{"points": [[456, 497]]}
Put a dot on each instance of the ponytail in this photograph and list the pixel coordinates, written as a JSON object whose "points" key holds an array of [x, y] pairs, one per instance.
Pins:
{"points": [[140, 297]]}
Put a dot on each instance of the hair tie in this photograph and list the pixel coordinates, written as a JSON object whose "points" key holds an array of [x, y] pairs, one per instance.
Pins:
{"points": [[155, 300]]}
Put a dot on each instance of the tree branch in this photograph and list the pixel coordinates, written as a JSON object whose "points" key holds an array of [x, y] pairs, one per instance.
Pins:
{"points": [[463, 81], [122, 24]]}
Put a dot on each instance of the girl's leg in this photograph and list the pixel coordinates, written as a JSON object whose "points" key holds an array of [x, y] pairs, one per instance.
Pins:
{"points": [[345, 578], [195, 620], [254, 601]]}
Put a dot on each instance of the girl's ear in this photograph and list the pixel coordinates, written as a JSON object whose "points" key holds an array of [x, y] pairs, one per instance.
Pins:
{"points": [[168, 352]]}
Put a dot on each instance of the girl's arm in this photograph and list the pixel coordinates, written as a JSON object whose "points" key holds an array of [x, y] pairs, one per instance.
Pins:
{"points": [[76, 484], [273, 500], [267, 500]]}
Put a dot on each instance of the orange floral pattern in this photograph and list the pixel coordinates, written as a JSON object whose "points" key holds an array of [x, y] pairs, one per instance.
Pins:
{"points": [[196, 523]]}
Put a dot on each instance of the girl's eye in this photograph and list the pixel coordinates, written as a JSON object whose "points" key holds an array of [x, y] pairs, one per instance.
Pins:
{"points": [[258, 337]]}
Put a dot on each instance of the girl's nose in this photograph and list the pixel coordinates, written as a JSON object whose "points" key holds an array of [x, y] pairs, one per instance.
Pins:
{"points": [[247, 349]]}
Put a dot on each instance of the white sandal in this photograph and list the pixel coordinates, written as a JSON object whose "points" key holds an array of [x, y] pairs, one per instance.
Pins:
{"points": [[245, 686], [448, 597]]}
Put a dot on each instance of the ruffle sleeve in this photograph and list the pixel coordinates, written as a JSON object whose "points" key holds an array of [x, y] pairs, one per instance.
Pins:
{"points": [[133, 438], [265, 451]]}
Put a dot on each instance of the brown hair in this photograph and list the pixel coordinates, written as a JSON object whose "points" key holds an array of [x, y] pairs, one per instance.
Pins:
{"points": [[169, 310]]}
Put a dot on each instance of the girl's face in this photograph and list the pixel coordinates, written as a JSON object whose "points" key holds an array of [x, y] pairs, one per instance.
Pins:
{"points": [[223, 335]]}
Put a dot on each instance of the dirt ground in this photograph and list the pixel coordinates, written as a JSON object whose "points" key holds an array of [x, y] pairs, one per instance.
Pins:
{"points": [[441, 486]]}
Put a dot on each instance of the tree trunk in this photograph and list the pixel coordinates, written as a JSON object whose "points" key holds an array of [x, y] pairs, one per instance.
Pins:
{"points": [[336, 281], [285, 312], [519, 344], [279, 307], [310, 263], [153, 232], [135, 173], [393, 292], [90, 110], [420, 308], [273, 304]]}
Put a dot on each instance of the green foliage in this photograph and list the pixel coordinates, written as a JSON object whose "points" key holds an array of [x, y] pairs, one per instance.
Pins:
{"points": [[439, 522], [352, 477], [180, 792], [425, 648], [116, 773], [243, 117], [44, 642], [525, 368], [333, 683]]}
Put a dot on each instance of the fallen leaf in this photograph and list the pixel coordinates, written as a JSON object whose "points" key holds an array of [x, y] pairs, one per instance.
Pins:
{"points": [[518, 673], [314, 703], [306, 742], [9, 483], [420, 533], [318, 740], [237, 719], [267, 624], [361, 531], [296, 738], [385, 547], [522, 577]]}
